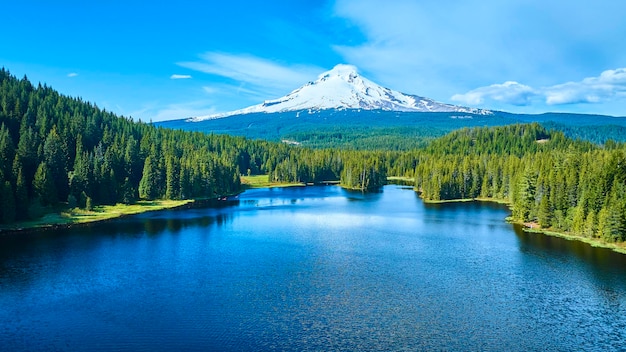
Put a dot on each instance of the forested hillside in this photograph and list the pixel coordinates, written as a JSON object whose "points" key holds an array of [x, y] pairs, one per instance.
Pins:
{"points": [[392, 130], [61, 151], [56, 150], [549, 180]]}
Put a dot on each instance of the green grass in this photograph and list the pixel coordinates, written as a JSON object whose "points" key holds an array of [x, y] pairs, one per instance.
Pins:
{"points": [[393, 179], [442, 201], [262, 181], [66, 217], [619, 247]]}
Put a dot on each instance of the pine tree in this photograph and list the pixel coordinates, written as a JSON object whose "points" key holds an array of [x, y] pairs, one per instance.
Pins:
{"points": [[544, 215], [148, 187], [7, 152], [8, 203], [591, 225], [524, 204], [578, 220], [172, 174], [21, 196], [44, 185]]}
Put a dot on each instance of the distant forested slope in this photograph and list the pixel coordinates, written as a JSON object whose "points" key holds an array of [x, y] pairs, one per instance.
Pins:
{"points": [[390, 130], [61, 151]]}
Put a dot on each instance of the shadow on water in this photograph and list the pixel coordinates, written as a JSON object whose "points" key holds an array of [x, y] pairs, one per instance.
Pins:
{"points": [[21, 247], [603, 262], [271, 272], [468, 205], [360, 196]]}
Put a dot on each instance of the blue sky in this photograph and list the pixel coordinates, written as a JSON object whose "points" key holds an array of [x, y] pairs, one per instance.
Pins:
{"points": [[158, 60]]}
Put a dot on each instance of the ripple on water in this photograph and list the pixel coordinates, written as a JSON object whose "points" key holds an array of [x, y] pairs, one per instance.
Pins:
{"points": [[310, 269]]}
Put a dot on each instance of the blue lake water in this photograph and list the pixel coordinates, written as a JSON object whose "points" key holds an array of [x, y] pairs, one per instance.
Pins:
{"points": [[310, 269]]}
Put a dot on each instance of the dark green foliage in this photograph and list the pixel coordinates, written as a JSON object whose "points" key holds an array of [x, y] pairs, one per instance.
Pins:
{"points": [[364, 173], [595, 134], [7, 203], [55, 149], [366, 137], [44, 185], [549, 179], [391, 130], [150, 182]]}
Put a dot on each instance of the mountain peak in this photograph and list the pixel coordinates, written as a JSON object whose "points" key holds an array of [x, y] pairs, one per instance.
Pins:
{"points": [[343, 88], [341, 70]]}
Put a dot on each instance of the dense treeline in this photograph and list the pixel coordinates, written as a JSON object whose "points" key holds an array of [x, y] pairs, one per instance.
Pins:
{"points": [[367, 138], [549, 180], [598, 134], [60, 150], [56, 150]]}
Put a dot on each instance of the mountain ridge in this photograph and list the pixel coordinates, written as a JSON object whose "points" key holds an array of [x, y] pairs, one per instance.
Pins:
{"points": [[343, 88]]}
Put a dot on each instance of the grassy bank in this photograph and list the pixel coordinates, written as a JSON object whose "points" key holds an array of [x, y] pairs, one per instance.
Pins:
{"points": [[263, 181], [619, 247], [401, 179], [443, 201], [65, 217], [68, 217]]}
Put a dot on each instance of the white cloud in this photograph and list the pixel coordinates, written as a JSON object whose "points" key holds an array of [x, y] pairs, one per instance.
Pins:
{"points": [[421, 47], [257, 74], [210, 90], [433, 48], [610, 85], [509, 92], [161, 112], [183, 111], [72, 74], [175, 76]]}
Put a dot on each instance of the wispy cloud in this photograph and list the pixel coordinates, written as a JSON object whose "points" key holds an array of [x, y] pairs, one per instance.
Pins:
{"points": [[175, 76], [161, 112], [609, 85], [210, 90], [433, 48], [72, 74], [422, 47], [509, 92], [256, 74], [234, 90]]}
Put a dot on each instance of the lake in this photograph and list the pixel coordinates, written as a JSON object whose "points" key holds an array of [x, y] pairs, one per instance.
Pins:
{"points": [[310, 269]]}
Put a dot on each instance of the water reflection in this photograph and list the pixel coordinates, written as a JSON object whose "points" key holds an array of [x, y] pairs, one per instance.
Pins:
{"points": [[549, 245], [311, 268], [21, 252], [359, 196]]}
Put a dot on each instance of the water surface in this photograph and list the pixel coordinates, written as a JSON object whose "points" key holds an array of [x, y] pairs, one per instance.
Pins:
{"points": [[315, 268]]}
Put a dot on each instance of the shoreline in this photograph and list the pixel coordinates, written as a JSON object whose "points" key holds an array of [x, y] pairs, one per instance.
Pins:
{"points": [[594, 242], [74, 218], [262, 181], [63, 218], [71, 218]]}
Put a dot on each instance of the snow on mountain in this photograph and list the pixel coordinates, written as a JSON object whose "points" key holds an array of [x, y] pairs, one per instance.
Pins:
{"points": [[343, 88]]}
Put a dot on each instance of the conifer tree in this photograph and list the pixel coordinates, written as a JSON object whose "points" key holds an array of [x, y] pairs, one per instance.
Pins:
{"points": [[44, 185]]}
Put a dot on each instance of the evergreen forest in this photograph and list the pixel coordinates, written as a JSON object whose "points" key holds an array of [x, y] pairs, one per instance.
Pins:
{"points": [[62, 152]]}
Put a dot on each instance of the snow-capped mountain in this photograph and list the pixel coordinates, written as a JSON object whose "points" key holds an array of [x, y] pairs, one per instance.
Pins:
{"points": [[343, 88]]}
